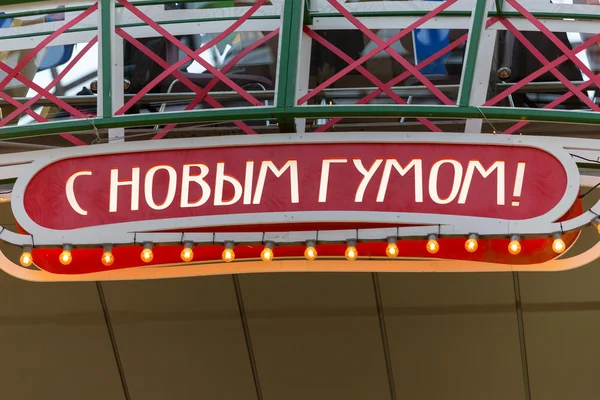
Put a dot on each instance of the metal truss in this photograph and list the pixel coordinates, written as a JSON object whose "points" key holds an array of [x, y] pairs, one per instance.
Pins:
{"points": [[295, 25]]}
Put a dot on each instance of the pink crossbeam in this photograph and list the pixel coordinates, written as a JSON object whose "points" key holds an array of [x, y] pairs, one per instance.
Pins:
{"points": [[382, 46], [195, 54], [201, 93], [372, 78], [214, 81], [55, 81], [393, 53], [543, 60], [407, 74], [542, 28], [529, 78], [550, 105], [33, 52]]}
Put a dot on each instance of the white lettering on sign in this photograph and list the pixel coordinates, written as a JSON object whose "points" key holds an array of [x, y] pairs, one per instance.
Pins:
{"points": [[498, 166], [325, 177], [149, 185], [220, 180], [367, 175], [417, 164], [433, 181], [188, 178], [292, 165], [69, 189], [198, 178], [135, 188]]}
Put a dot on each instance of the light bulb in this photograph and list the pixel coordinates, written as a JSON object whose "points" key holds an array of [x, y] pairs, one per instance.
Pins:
{"points": [[147, 255], [558, 245], [187, 254], [471, 244], [432, 244], [26, 258], [514, 247], [351, 252], [107, 258], [310, 253], [267, 254], [66, 257], [228, 254], [392, 248]]}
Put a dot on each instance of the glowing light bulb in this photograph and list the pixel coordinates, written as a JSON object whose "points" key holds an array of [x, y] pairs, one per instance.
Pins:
{"points": [[558, 245], [310, 253], [228, 254], [471, 244], [26, 259], [66, 257], [147, 254], [514, 247], [392, 248], [432, 244], [267, 254], [187, 254], [351, 252], [108, 259]]}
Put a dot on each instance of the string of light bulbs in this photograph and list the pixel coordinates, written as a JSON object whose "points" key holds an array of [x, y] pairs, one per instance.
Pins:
{"points": [[310, 253]]}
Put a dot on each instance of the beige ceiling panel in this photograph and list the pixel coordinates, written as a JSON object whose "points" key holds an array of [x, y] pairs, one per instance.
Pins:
{"points": [[316, 336], [181, 339], [54, 343], [453, 336], [562, 352]]}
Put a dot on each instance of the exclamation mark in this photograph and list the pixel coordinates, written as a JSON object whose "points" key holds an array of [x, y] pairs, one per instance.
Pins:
{"points": [[518, 182]]}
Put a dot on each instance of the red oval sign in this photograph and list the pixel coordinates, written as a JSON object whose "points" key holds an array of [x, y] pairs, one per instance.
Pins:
{"points": [[496, 181]]}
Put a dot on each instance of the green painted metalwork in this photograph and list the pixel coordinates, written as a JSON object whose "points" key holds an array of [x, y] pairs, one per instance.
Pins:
{"points": [[106, 34], [288, 62], [471, 57], [295, 13], [261, 113]]}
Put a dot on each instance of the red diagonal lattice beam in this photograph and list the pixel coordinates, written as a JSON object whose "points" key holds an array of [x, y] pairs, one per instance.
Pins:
{"points": [[24, 107], [191, 54], [204, 92], [552, 37], [39, 118], [381, 47], [201, 93], [529, 78], [543, 60], [33, 52], [407, 74], [32, 85], [372, 78], [551, 105], [393, 53]]}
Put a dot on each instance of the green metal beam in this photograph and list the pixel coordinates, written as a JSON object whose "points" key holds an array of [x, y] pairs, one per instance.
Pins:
{"points": [[261, 113], [138, 120], [106, 34], [291, 33], [477, 27]]}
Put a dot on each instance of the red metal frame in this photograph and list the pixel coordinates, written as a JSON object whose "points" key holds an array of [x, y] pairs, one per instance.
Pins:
{"points": [[541, 71], [15, 73], [372, 78], [382, 45], [190, 55], [202, 94], [406, 75]]}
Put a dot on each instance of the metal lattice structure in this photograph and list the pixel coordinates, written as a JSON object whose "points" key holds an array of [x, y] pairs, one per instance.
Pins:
{"points": [[306, 75]]}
